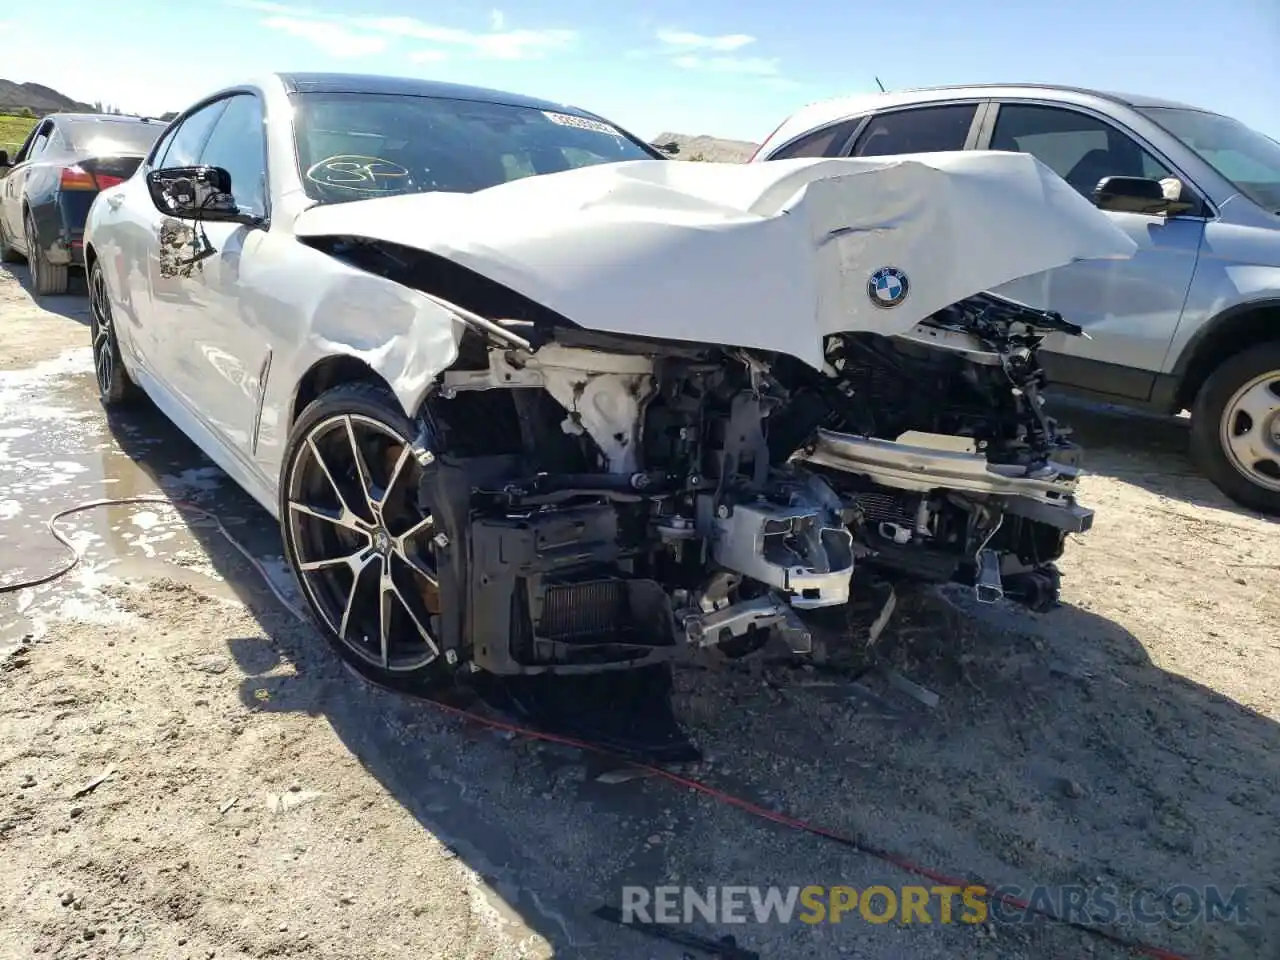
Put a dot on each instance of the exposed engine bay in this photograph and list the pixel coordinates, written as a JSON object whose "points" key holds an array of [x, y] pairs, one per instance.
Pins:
{"points": [[607, 502], [680, 405]]}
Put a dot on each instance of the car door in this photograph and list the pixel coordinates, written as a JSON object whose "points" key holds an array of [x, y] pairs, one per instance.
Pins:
{"points": [[219, 333], [1130, 308], [124, 222], [14, 184], [173, 266]]}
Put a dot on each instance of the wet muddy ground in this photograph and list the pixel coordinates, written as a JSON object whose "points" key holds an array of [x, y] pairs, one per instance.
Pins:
{"points": [[264, 802]]}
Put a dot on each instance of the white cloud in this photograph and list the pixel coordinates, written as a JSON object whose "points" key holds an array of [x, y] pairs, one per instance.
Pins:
{"points": [[263, 6], [717, 55], [738, 66], [429, 56], [334, 39], [684, 40], [340, 34], [496, 44]]}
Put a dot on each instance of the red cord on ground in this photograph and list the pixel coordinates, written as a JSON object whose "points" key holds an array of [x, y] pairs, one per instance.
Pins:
{"points": [[902, 863], [746, 806]]}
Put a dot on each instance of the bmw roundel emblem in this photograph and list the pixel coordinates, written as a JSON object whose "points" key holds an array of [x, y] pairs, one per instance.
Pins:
{"points": [[888, 287]]}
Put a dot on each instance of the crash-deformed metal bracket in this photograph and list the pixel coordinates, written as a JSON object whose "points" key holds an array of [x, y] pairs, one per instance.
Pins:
{"points": [[738, 619], [791, 548]]}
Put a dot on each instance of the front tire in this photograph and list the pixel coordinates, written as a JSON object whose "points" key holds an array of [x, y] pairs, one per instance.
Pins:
{"points": [[1235, 428], [359, 545], [115, 387], [48, 279]]}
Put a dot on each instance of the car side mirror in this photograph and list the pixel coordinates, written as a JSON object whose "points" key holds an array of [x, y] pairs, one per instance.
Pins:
{"points": [[4, 160], [1139, 195], [196, 193]]}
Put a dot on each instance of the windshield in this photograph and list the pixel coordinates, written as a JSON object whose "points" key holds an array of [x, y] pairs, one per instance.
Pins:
{"points": [[356, 146], [1248, 159], [108, 138]]}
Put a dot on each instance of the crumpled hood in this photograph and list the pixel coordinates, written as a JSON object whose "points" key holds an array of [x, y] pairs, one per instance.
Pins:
{"points": [[771, 255]]}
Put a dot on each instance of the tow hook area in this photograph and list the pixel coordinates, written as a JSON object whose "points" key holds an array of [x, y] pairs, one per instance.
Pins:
{"points": [[738, 619], [989, 585]]}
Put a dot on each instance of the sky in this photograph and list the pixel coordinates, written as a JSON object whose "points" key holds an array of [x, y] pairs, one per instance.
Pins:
{"points": [[719, 67]]}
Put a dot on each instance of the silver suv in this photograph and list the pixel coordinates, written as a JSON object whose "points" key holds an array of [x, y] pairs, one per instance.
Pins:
{"points": [[1192, 321]]}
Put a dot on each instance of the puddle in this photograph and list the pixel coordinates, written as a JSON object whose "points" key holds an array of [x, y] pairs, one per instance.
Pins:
{"points": [[59, 449]]}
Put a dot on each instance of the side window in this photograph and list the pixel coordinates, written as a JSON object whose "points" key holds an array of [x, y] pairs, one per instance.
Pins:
{"points": [[826, 142], [162, 145], [57, 142], [920, 130], [188, 140], [1077, 147], [238, 145], [40, 141], [24, 151]]}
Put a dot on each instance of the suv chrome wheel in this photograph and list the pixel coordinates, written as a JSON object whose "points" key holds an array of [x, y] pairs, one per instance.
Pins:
{"points": [[1250, 430], [1235, 427]]}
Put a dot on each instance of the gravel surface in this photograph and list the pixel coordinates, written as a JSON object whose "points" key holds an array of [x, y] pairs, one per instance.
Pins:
{"points": [[262, 801]]}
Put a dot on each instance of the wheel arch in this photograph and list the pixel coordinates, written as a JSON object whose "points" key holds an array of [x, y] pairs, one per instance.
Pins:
{"points": [[41, 214], [329, 372], [24, 217], [1233, 330]]}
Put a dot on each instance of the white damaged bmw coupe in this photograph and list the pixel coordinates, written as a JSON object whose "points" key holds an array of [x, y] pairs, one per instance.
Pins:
{"points": [[527, 397]]}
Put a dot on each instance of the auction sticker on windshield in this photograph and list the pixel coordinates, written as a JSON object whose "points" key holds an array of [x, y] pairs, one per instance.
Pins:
{"points": [[582, 123]]}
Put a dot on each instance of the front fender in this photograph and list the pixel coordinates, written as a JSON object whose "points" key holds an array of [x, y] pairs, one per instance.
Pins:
{"points": [[307, 308], [1230, 308], [1237, 271], [403, 336]]}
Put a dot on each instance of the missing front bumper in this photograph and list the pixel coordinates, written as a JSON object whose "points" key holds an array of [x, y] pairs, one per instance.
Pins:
{"points": [[922, 462]]}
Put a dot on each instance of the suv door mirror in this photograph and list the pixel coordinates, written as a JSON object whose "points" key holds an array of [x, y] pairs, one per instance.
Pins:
{"points": [[196, 193], [1138, 195], [4, 160]]}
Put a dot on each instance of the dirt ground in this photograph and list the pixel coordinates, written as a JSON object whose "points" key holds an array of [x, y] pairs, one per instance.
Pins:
{"points": [[264, 802]]}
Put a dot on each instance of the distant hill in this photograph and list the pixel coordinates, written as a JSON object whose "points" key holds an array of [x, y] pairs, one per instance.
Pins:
{"points": [[39, 99], [703, 147]]}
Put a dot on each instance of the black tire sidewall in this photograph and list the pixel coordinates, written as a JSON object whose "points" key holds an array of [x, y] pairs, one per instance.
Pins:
{"points": [[33, 252], [47, 279], [1206, 417], [8, 254], [122, 386], [379, 403]]}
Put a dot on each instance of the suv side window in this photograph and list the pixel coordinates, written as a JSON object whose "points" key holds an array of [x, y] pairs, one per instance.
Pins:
{"points": [[186, 142], [238, 145], [1079, 148], [918, 130], [825, 142]]}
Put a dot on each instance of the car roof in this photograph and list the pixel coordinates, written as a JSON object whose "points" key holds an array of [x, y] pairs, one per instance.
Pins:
{"points": [[99, 118], [823, 112], [409, 86]]}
